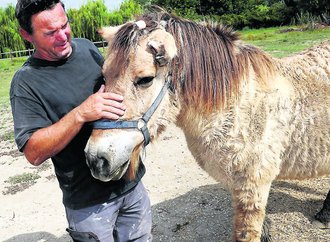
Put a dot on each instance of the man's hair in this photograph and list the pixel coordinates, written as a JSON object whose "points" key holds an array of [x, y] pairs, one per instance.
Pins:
{"points": [[25, 9]]}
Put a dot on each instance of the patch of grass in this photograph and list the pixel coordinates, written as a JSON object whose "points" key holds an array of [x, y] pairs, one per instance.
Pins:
{"points": [[13, 153], [8, 67], [20, 182], [44, 166], [8, 136], [280, 43], [23, 178]]}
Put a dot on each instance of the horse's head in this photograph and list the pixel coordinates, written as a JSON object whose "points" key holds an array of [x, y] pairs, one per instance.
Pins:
{"points": [[137, 66]]}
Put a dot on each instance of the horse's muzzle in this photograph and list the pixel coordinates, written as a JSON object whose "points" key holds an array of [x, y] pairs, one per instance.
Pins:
{"points": [[103, 170]]}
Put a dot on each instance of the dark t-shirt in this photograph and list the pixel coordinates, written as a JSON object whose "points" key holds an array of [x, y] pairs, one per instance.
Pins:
{"points": [[41, 93]]}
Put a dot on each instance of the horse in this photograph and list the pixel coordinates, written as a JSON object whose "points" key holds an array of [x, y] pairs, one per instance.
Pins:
{"points": [[248, 118]]}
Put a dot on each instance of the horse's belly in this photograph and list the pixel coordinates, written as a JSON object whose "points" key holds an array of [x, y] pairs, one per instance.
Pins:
{"points": [[305, 167], [307, 156]]}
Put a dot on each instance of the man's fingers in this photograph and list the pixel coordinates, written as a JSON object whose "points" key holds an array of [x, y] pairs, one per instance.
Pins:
{"points": [[110, 115], [114, 104], [114, 110], [102, 89], [113, 96]]}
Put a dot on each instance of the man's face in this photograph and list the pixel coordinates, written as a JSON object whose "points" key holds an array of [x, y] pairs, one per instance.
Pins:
{"points": [[51, 35]]}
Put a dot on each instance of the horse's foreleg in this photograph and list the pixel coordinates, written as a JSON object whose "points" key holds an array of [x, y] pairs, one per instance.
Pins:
{"points": [[324, 215], [249, 201]]}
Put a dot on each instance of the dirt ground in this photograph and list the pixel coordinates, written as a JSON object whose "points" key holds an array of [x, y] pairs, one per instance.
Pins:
{"points": [[187, 204]]}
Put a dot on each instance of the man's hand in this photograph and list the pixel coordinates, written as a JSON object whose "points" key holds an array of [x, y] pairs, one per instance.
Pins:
{"points": [[101, 105]]}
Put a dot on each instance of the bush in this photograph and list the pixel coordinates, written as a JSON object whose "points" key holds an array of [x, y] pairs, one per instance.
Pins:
{"points": [[238, 21]]}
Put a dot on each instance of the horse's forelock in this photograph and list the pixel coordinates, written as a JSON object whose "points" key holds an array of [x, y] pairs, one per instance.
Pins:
{"points": [[124, 41]]}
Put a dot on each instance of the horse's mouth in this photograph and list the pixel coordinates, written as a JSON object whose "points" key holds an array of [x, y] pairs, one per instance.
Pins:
{"points": [[106, 175], [119, 172]]}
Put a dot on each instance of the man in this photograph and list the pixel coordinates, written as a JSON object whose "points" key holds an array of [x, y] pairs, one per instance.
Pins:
{"points": [[52, 98]]}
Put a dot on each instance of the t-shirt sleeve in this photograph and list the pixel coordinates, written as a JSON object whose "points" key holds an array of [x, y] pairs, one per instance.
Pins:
{"points": [[28, 114]]}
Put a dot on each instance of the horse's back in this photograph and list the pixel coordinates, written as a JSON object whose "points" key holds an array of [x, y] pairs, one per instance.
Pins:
{"points": [[308, 152], [311, 64]]}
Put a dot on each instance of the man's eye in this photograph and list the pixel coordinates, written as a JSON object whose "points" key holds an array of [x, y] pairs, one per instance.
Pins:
{"points": [[51, 33], [145, 81]]}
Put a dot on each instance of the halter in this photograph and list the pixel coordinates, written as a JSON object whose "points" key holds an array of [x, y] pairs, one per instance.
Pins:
{"points": [[141, 123]]}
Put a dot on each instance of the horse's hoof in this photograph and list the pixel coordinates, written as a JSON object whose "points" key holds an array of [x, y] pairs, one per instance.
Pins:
{"points": [[321, 225], [265, 233], [322, 218], [266, 238], [250, 237]]}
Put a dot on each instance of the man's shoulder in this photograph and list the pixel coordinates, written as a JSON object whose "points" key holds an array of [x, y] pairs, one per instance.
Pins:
{"points": [[21, 72], [82, 41], [86, 47], [18, 80]]}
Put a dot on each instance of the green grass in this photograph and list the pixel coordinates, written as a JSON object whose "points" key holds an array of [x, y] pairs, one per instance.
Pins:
{"points": [[8, 136], [23, 178], [20, 182], [8, 67], [280, 44]]}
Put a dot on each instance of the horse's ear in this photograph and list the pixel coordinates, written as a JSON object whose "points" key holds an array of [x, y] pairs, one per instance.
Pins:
{"points": [[108, 33], [158, 50], [161, 53]]}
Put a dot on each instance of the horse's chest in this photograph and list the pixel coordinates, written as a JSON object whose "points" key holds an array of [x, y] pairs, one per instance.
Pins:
{"points": [[211, 143]]}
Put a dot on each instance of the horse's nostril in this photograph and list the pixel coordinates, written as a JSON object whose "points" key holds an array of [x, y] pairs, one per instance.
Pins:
{"points": [[103, 163]]}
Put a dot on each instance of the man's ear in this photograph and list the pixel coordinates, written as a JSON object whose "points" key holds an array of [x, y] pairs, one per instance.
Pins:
{"points": [[25, 34]]}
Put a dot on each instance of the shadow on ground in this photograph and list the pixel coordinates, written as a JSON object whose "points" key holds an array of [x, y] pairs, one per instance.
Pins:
{"points": [[204, 214], [39, 237]]}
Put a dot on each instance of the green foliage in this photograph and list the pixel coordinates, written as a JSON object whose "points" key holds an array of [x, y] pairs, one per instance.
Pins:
{"points": [[9, 36], [306, 18], [129, 9], [84, 22], [241, 13], [314, 7], [94, 14]]}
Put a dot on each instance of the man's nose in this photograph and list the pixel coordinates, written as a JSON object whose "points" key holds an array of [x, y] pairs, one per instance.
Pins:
{"points": [[61, 35]]}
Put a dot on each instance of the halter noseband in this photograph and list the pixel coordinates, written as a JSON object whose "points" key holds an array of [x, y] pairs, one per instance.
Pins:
{"points": [[141, 123]]}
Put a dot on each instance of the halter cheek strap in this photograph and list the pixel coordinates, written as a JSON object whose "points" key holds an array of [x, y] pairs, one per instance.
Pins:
{"points": [[141, 123]]}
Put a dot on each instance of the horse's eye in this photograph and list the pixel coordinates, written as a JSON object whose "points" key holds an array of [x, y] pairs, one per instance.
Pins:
{"points": [[145, 81]]}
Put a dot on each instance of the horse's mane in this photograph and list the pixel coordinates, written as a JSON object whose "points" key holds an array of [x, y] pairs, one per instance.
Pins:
{"points": [[210, 63]]}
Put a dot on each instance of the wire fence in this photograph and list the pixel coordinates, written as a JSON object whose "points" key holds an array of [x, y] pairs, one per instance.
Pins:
{"points": [[23, 53]]}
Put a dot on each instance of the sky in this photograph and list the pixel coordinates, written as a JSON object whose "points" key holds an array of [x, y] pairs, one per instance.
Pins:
{"points": [[111, 4]]}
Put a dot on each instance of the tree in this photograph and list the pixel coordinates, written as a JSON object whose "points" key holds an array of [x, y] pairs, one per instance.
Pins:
{"points": [[10, 38], [94, 14], [314, 7]]}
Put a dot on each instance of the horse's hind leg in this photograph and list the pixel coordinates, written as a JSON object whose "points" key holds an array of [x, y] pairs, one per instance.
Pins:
{"points": [[324, 215], [249, 206]]}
